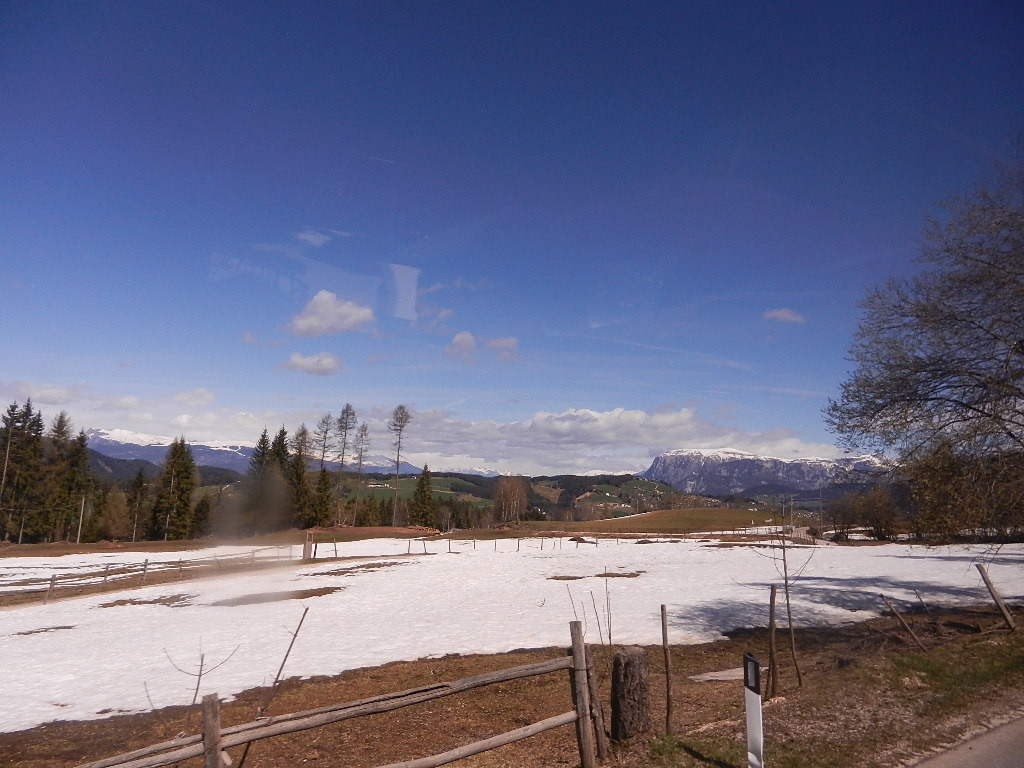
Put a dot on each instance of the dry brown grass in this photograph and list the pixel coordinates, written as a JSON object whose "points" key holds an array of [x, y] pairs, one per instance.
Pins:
{"points": [[869, 699]]}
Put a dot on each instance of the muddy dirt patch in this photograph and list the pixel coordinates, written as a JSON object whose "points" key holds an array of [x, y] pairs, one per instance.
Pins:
{"points": [[44, 629], [273, 597], [172, 601]]}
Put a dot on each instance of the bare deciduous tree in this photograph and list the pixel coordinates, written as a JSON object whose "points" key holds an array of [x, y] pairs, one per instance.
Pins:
{"points": [[343, 429], [400, 418], [510, 495], [323, 437], [939, 377], [940, 356]]}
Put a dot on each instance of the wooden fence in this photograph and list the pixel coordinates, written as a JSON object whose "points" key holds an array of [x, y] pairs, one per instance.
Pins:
{"points": [[209, 744]]}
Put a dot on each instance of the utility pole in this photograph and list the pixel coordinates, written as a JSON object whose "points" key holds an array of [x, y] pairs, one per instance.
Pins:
{"points": [[3, 479], [170, 506]]}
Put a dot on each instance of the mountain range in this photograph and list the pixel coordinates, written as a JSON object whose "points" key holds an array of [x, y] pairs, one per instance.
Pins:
{"points": [[124, 445], [723, 472], [707, 472]]}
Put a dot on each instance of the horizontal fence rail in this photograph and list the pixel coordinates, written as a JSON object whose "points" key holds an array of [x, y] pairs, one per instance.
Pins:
{"points": [[186, 747]]}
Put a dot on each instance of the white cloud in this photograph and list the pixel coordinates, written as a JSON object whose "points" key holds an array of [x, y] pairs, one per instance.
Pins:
{"points": [[783, 315], [197, 396], [573, 440], [580, 440], [124, 402], [436, 287], [461, 346], [471, 285], [248, 422], [326, 314], [322, 364], [464, 344], [193, 422], [48, 394], [313, 238], [507, 347]]}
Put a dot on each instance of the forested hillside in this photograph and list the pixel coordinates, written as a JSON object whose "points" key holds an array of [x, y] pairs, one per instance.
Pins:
{"points": [[54, 488]]}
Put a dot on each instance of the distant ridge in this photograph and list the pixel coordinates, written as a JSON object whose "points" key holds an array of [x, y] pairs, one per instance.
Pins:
{"points": [[122, 444]]}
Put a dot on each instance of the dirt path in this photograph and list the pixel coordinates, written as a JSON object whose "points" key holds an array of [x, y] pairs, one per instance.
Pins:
{"points": [[1000, 747]]}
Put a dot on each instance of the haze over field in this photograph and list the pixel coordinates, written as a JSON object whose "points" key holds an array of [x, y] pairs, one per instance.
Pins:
{"points": [[569, 237]]}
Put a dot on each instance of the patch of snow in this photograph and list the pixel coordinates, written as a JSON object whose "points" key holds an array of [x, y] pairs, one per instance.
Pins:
{"points": [[82, 657]]}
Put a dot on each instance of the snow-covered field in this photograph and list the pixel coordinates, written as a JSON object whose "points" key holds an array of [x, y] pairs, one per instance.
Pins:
{"points": [[85, 658]]}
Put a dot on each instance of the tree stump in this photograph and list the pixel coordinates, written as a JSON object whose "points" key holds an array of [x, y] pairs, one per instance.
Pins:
{"points": [[631, 701]]}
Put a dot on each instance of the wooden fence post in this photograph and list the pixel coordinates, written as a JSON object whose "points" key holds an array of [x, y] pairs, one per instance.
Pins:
{"points": [[53, 582], [631, 702], [668, 671], [773, 659], [1007, 616], [581, 697], [596, 709], [211, 731], [903, 623]]}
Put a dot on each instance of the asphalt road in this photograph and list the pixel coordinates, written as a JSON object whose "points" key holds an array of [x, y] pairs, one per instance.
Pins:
{"points": [[1002, 747]]}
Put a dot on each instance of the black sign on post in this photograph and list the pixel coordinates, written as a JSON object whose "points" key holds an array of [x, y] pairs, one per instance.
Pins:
{"points": [[752, 704], [751, 673]]}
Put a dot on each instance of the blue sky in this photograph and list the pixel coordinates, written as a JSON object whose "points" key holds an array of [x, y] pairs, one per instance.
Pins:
{"points": [[567, 235]]}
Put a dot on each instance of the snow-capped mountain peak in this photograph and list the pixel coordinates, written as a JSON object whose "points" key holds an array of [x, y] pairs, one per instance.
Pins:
{"points": [[726, 471]]}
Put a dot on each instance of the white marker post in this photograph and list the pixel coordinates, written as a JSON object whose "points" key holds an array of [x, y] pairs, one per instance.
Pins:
{"points": [[752, 703]]}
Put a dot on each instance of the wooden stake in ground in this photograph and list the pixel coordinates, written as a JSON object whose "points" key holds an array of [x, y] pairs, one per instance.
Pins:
{"points": [[277, 678], [1007, 616], [903, 623], [581, 696], [773, 659], [668, 671], [596, 709], [211, 732], [789, 612], [53, 581], [631, 704]]}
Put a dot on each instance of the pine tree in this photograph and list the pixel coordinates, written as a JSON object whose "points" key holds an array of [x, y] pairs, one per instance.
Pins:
{"points": [[423, 511], [260, 454], [115, 521], [323, 498], [279, 453], [76, 480], [302, 497], [201, 518], [266, 502], [22, 491], [171, 517], [136, 499], [55, 454]]}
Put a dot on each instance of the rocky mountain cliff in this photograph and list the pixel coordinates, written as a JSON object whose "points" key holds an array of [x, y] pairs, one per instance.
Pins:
{"points": [[723, 472]]}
